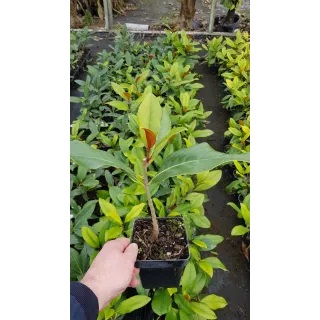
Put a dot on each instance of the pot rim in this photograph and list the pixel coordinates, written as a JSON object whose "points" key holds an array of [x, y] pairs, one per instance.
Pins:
{"points": [[168, 260]]}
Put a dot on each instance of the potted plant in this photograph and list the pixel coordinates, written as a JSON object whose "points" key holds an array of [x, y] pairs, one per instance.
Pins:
{"points": [[155, 132], [231, 21]]}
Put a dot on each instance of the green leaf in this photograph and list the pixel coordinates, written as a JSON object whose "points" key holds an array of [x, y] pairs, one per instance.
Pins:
{"points": [[108, 313], [90, 237], [171, 315], [214, 302], [206, 267], [195, 252], [160, 207], [203, 310], [210, 240], [79, 263], [215, 263], [150, 113], [75, 99], [91, 158], [118, 89], [183, 304], [131, 304], [231, 204], [84, 215], [134, 212], [195, 159], [207, 179], [183, 315], [235, 132], [161, 301], [119, 105], [110, 211], [112, 233], [200, 282], [202, 133], [200, 221], [172, 291], [188, 276], [239, 231], [196, 199], [245, 213], [200, 244]]}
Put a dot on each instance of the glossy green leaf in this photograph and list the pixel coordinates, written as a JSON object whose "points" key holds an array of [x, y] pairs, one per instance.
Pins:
{"points": [[195, 252], [200, 282], [195, 159], [171, 315], [203, 310], [150, 113], [110, 211], [215, 263], [84, 215], [131, 304], [202, 133], [172, 291], [112, 233], [108, 313], [199, 243], [88, 157], [206, 267], [119, 105], [207, 179], [161, 302], [214, 302], [188, 276], [183, 304], [200, 221], [239, 231], [118, 89], [245, 213], [210, 240], [90, 237], [134, 212]]}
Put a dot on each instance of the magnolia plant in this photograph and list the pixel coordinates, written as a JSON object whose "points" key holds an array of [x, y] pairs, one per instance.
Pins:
{"points": [[155, 131]]}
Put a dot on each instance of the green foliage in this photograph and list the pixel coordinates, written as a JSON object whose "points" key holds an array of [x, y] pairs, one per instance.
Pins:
{"points": [[78, 42], [244, 213], [138, 102]]}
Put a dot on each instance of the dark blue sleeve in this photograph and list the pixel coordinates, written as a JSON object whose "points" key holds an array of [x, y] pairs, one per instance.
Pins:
{"points": [[83, 302]]}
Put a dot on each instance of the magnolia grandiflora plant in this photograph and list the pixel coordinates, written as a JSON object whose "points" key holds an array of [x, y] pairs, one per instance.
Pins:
{"points": [[155, 130]]}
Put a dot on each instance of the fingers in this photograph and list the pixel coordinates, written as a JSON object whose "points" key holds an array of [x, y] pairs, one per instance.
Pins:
{"points": [[120, 243], [134, 281], [131, 252], [136, 271]]}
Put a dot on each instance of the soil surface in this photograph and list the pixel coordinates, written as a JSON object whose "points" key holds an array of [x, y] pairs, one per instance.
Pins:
{"points": [[171, 242], [159, 13]]}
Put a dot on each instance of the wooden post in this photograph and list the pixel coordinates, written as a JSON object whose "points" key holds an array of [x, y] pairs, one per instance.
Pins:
{"points": [[212, 15], [106, 14], [110, 14]]}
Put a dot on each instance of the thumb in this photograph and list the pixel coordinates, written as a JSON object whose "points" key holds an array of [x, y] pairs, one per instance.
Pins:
{"points": [[131, 252]]}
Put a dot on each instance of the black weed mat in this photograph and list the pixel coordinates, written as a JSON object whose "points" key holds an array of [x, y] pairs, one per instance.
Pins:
{"points": [[233, 285]]}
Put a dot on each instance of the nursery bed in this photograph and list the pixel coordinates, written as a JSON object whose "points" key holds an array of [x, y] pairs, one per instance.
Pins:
{"points": [[234, 284]]}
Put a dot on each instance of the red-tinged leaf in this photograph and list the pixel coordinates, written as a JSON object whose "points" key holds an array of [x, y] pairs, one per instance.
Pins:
{"points": [[151, 138], [137, 80], [185, 74], [127, 95]]}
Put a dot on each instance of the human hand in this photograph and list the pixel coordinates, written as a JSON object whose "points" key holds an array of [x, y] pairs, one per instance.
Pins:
{"points": [[112, 271]]}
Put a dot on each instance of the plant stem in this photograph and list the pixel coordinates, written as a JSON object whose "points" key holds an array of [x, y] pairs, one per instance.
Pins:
{"points": [[155, 231]]}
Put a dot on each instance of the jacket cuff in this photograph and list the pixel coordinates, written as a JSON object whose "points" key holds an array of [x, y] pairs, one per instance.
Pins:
{"points": [[86, 298]]}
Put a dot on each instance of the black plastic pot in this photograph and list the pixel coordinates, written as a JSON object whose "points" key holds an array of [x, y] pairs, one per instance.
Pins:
{"points": [[232, 26], [75, 74], [161, 273]]}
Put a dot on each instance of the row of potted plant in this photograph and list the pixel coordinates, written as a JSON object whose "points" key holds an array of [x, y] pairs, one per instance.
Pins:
{"points": [[231, 58], [79, 51], [134, 155]]}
